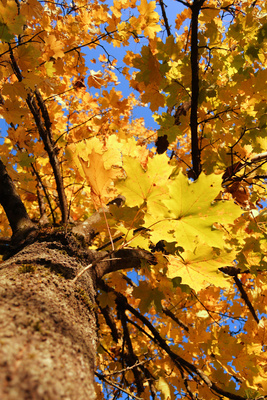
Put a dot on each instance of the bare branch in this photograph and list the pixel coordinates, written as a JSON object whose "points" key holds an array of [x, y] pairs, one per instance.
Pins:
{"points": [[86, 230], [185, 3], [49, 145], [107, 313], [130, 357], [117, 260]]}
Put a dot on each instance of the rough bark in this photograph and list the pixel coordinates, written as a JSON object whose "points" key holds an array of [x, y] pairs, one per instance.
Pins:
{"points": [[48, 333], [48, 330]]}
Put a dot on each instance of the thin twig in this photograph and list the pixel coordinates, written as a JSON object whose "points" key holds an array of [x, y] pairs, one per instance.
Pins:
{"points": [[205, 308], [92, 41], [102, 377], [137, 364]]}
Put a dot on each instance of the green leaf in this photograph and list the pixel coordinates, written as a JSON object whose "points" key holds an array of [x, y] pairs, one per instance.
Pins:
{"points": [[5, 34], [148, 296], [25, 160], [168, 127]]}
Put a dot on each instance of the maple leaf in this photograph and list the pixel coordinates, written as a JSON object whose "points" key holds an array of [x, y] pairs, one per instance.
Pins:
{"points": [[199, 269], [50, 70], [54, 47], [98, 177], [148, 295], [164, 388], [194, 212], [5, 34], [95, 79], [150, 18], [140, 185], [147, 9]]}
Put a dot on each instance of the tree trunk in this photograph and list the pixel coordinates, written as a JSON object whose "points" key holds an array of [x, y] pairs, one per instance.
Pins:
{"points": [[48, 333]]}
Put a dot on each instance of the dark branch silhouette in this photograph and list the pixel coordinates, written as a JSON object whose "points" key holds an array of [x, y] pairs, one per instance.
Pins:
{"points": [[196, 161], [15, 210], [40, 114]]}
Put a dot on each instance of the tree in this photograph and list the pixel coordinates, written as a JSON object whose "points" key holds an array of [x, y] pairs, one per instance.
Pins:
{"points": [[135, 255]]}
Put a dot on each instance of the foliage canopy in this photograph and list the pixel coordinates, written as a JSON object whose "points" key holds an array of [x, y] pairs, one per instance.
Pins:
{"points": [[191, 323]]}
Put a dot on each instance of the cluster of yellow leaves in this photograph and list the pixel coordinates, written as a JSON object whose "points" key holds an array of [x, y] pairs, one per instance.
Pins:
{"points": [[183, 213]]}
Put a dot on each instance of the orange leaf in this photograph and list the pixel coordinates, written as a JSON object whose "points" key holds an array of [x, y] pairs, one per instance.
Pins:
{"points": [[98, 177]]}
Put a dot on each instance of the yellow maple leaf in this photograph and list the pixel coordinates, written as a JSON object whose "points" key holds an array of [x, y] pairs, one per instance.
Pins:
{"points": [[55, 46], [147, 8], [199, 269], [149, 18]]}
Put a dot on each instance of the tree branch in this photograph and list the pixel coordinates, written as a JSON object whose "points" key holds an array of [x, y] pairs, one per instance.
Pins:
{"points": [[40, 182], [175, 319], [166, 22], [196, 6], [186, 4], [191, 369], [131, 358], [86, 230], [106, 311], [117, 260], [49, 146], [123, 259], [44, 129], [15, 210], [245, 298]]}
